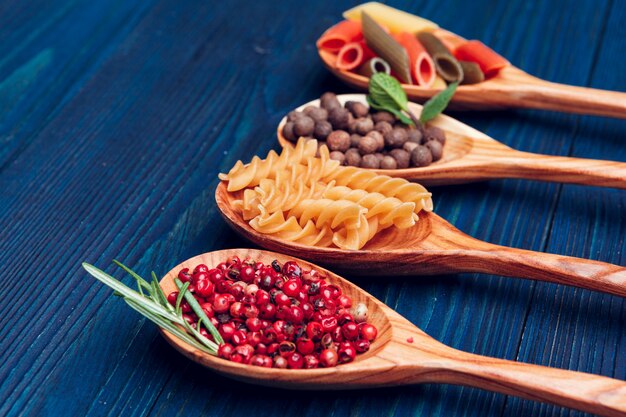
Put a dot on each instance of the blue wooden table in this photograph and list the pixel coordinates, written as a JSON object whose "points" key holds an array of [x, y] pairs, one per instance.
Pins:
{"points": [[115, 118]]}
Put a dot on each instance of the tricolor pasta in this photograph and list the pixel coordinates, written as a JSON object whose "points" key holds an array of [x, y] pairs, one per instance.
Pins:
{"points": [[312, 200]]}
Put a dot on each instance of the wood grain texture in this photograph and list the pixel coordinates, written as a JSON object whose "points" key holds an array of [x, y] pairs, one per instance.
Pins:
{"points": [[470, 155], [510, 88], [123, 164], [403, 354]]}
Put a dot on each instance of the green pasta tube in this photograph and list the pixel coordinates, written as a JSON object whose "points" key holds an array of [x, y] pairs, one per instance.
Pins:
{"points": [[445, 63], [374, 65], [472, 73], [387, 48]]}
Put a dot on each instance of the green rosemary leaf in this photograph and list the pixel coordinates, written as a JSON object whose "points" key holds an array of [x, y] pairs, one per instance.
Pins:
{"points": [[167, 325], [159, 292], [181, 294], [211, 345], [193, 303], [140, 281], [125, 291], [437, 104]]}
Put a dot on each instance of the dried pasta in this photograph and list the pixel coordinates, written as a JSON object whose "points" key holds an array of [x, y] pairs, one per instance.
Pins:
{"points": [[471, 73], [421, 64], [373, 66], [312, 200], [446, 64], [339, 35], [488, 60], [396, 20], [352, 55], [385, 46]]}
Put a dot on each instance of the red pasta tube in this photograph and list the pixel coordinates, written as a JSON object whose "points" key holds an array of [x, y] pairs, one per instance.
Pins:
{"points": [[352, 55], [488, 60], [339, 35], [421, 64]]}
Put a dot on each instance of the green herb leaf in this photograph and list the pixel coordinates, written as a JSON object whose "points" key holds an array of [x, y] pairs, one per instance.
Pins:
{"points": [[433, 107], [401, 116], [193, 303], [387, 92]]}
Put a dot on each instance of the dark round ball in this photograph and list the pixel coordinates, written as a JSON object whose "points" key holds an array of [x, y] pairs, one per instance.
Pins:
{"points": [[380, 140], [380, 156], [383, 116], [421, 156], [415, 136], [368, 145], [354, 140], [388, 162], [357, 108], [338, 156], [316, 113], [436, 149], [363, 125], [338, 140], [409, 146], [351, 123], [402, 157], [339, 118], [383, 127], [288, 132], [294, 114], [322, 130], [303, 126], [396, 138], [370, 161], [353, 157], [434, 133], [329, 101]]}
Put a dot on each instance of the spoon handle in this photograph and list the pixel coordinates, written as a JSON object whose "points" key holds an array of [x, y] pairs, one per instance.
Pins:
{"points": [[524, 90], [591, 393], [531, 166], [454, 251]]}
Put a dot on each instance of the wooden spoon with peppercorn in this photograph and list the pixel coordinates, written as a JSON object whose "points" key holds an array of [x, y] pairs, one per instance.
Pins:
{"points": [[434, 246], [510, 88], [469, 155], [403, 354]]}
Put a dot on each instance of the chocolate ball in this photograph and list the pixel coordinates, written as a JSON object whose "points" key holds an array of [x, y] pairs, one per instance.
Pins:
{"points": [[434, 133], [303, 126], [363, 125], [402, 157], [396, 138], [338, 156], [316, 113], [415, 136], [339, 118], [409, 146], [288, 132], [383, 127], [436, 149], [338, 140], [357, 108], [353, 157], [383, 116], [293, 115], [421, 156], [329, 101], [388, 162], [370, 161], [380, 140], [322, 130], [354, 140], [367, 145]]}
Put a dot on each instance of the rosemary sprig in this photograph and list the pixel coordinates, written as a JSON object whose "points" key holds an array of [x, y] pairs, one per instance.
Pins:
{"points": [[151, 302]]}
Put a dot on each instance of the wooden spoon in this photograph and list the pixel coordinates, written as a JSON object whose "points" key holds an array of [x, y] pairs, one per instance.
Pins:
{"points": [[403, 354], [469, 155], [433, 246], [511, 87]]}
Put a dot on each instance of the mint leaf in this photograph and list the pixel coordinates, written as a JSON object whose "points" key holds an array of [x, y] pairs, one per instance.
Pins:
{"points": [[401, 116], [387, 92], [433, 107]]}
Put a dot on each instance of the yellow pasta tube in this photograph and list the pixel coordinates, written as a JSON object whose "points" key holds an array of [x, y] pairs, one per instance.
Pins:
{"points": [[394, 19]]}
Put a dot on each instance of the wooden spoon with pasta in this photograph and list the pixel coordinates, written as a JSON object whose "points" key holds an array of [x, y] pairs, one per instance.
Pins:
{"points": [[469, 155], [433, 246], [510, 88], [403, 354]]}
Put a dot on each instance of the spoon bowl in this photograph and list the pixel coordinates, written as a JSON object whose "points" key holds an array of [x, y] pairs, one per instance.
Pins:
{"points": [[510, 88], [434, 246], [403, 354], [470, 155]]}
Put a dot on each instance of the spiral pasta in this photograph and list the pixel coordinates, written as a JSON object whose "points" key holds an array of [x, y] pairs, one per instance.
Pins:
{"points": [[305, 197]]}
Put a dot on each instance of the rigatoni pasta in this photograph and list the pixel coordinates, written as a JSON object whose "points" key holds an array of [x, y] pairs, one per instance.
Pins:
{"points": [[394, 19], [421, 64], [447, 65], [490, 62], [374, 65], [337, 36]]}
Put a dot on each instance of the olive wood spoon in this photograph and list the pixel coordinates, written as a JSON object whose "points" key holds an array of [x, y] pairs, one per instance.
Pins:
{"points": [[510, 88], [433, 246], [469, 155], [403, 354]]}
